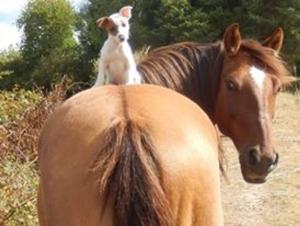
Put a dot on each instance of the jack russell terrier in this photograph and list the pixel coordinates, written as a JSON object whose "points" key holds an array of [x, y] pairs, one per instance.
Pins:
{"points": [[117, 64]]}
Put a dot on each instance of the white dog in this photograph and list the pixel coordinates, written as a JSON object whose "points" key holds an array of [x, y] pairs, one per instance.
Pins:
{"points": [[117, 65]]}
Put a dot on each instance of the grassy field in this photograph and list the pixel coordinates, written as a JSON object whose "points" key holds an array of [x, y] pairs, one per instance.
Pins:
{"points": [[275, 203]]}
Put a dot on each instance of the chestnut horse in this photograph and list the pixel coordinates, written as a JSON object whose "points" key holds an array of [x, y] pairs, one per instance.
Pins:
{"points": [[235, 82], [129, 156]]}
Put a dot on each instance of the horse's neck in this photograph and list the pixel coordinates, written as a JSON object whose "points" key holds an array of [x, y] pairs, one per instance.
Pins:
{"points": [[189, 68], [208, 70]]}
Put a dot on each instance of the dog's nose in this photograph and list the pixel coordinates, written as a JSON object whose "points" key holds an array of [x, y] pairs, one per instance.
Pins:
{"points": [[121, 38]]}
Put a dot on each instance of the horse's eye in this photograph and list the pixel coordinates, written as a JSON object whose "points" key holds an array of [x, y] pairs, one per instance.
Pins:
{"points": [[123, 24], [231, 86]]}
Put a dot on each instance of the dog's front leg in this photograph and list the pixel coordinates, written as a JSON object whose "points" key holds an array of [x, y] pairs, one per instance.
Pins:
{"points": [[134, 77], [101, 80]]}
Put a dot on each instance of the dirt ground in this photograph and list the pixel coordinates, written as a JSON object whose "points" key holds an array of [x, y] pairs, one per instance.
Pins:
{"points": [[276, 202]]}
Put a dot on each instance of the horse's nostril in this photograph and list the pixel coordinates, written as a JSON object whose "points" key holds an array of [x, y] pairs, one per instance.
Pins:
{"points": [[275, 162], [253, 157]]}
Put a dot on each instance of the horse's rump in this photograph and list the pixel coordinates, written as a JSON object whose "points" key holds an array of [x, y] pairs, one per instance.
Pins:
{"points": [[129, 162]]}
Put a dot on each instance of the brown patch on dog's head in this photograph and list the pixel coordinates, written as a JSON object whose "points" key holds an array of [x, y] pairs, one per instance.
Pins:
{"points": [[107, 24]]}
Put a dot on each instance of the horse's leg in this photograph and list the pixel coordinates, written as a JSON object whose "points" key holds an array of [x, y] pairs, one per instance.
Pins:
{"points": [[192, 182]]}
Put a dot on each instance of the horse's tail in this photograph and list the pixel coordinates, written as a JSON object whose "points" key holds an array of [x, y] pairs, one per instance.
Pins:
{"points": [[131, 173]]}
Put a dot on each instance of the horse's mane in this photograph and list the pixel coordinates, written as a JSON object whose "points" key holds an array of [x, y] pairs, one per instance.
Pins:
{"points": [[183, 67], [268, 59], [169, 63], [173, 66]]}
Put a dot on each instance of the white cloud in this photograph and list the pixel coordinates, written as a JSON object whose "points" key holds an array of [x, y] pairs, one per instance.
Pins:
{"points": [[77, 2], [11, 6], [9, 35]]}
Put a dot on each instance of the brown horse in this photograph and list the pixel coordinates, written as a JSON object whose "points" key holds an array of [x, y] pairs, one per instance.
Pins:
{"points": [[129, 156], [236, 82]]}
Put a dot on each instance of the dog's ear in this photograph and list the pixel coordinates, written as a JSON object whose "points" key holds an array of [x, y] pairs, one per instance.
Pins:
{"points": [[104, 22], [275, 40], [126, 11]]}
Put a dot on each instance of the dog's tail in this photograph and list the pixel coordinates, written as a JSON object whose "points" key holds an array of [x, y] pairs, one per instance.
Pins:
{"points": [[131, 173]]}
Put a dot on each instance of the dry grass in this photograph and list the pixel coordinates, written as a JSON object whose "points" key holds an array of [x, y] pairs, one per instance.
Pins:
{"points": [[19, 136], [141, 54], [18, 183], [18, 155]]}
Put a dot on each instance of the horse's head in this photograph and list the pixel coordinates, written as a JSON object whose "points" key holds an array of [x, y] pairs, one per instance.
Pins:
{"points": [[251, 78]]}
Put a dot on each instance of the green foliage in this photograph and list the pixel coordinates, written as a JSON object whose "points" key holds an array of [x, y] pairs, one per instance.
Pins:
{"points": [[22, 116], [18, 192], [6, 59], [161, 22], [49, 49], [11, 66], [258, 18], [169, 21], [47, 25], [13, 103]]}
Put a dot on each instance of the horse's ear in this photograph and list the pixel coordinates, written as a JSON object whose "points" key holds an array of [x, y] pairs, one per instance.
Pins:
{"points": [[104, 22], [232, 39], [126, 11], [275, 40]]}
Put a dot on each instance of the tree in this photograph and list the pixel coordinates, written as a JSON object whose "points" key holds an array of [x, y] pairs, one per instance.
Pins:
{"points": [[154, 23], [259, 18], [11, 64], [48, 45]]}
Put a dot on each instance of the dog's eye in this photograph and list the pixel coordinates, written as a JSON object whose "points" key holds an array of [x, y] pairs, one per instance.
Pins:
{"points": [[123, 24]]}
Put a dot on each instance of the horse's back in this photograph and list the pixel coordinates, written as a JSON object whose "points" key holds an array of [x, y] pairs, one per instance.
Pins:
{"points": [[185, 143]]}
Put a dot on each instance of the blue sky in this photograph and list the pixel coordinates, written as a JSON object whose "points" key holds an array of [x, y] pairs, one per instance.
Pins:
{"points": [[9, 12]]}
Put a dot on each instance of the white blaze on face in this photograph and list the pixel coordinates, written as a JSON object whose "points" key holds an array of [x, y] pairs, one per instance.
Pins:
{"points": [[258, 76]]}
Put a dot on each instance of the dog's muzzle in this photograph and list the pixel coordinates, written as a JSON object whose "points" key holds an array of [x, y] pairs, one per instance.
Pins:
{"points": [[121, 38]]}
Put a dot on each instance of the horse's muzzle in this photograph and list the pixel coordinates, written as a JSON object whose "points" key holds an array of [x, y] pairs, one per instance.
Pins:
{"points": [[256, 165]]}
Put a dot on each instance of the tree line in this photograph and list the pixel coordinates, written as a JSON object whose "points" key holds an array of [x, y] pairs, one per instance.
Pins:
{"points": [[59, 40]]}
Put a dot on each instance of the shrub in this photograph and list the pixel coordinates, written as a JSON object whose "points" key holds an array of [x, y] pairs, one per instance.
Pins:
{"points": [[22, 115], [23, 119], [13, 103]]}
